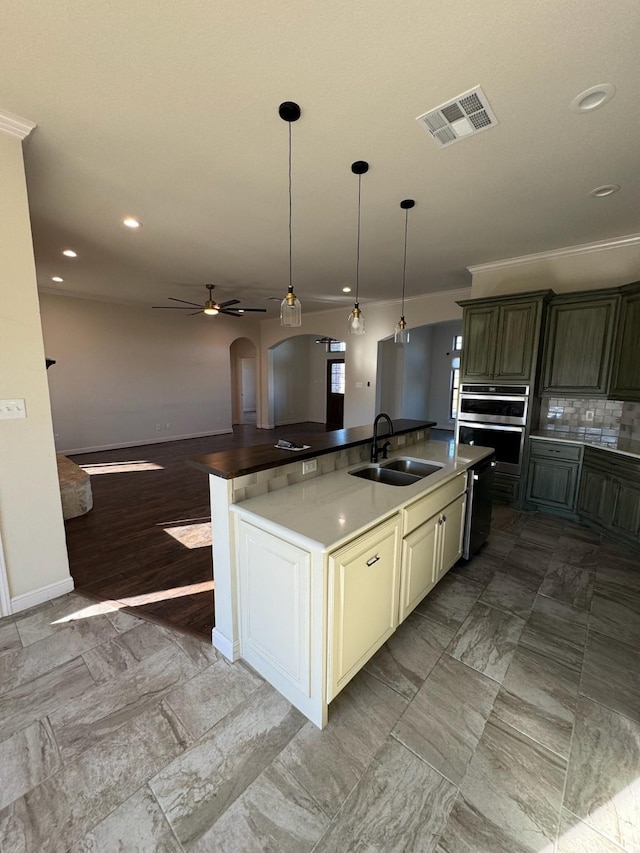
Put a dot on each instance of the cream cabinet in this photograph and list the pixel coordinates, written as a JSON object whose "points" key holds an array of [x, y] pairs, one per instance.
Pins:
{"points": [[432, 543], [364, 578]]}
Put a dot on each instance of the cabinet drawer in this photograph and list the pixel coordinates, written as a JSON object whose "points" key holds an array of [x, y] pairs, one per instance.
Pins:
{"points": [[556, 450], [424, 508]]}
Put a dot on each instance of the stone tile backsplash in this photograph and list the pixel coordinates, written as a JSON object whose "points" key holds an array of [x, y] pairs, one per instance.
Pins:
{"points": [[272, 479], [630, 421], [597, 418]]}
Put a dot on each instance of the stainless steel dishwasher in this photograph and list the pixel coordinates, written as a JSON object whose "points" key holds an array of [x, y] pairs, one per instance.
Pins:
{"points": [[479, 504]]}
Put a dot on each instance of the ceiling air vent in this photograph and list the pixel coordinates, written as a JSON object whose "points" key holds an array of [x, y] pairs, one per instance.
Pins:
{"points": [[460, 118]]}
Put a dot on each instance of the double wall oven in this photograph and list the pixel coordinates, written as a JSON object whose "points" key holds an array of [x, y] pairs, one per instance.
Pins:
{"points": [[495, 416]]}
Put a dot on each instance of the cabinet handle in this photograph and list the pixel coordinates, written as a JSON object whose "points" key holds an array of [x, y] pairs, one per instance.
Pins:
{"points": [[373, 560]]}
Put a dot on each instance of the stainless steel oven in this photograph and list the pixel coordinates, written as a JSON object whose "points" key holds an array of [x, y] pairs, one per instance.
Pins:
{"points": [[495, 416], [494, 404]]}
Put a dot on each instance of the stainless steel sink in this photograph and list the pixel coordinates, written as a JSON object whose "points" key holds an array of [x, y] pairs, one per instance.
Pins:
{"points": [[417, 467], [386, 475]]}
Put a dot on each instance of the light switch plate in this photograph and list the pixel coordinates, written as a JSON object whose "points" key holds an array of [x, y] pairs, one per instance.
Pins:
{"points": [[12, 409]]}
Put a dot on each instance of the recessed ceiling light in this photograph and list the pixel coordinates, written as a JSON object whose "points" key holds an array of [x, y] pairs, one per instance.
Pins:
{"points": [[56, 278], [591, 99], [605, 190], [130, 222], [346, 290], [69, 253]]}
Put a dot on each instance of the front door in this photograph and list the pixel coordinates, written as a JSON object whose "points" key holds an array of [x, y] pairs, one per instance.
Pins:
{"points": [[335, 393]]}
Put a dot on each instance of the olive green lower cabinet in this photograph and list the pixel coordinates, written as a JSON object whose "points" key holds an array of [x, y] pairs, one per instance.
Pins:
{"points": [[310, 619], [609, 497], [553, 477]]}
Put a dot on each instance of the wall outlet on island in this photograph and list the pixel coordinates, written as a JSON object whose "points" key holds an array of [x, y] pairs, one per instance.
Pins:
{"points": [[420, 435], [401, 440], [309, 466]]}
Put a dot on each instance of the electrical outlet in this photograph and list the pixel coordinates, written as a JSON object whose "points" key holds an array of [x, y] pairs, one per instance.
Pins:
{"points": [[420, 435], [167, 425], [401, 440], [12, 409], [309, 466], [588, 415], [158, 427]]}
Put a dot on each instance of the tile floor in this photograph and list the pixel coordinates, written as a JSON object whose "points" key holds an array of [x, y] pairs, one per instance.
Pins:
{"points": [[503, 715]]}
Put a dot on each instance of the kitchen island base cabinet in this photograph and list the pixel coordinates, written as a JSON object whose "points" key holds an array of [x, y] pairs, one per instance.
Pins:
{"points": [[363, 595], [609, 496], [282, 616], [428, 552]]}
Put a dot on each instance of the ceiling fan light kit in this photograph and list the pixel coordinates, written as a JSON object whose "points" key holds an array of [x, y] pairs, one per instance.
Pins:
{"points": [[290, 307], [355, 321], [402, 331]]}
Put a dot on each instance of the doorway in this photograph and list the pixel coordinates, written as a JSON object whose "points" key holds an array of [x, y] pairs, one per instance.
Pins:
{"points": [[335, 393], [243, 381]]}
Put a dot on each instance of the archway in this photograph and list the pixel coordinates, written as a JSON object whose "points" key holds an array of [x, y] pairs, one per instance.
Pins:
{"points": [[243, 381]]}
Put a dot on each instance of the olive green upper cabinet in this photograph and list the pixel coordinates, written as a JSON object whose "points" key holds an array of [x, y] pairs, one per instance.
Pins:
{"points": [[579, 343], [500, 337], [625, 379]]}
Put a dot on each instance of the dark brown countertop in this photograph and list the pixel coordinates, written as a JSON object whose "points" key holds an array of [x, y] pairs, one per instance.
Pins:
{"points": [[247, 460]]}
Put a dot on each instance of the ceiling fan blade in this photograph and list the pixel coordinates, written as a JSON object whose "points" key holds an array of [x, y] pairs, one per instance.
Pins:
{"points": [[229, 312], [195, 304], [229, 302], [193, 313], [173, 307], [252, 309]]}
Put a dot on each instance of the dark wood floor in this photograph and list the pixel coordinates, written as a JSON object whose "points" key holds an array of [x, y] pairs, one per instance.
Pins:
{"points": [[147, 540]]}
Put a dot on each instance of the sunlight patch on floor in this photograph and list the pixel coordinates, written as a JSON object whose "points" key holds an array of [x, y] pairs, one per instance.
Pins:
{"points": [[192, 533], [121, 467], [102, 607]]}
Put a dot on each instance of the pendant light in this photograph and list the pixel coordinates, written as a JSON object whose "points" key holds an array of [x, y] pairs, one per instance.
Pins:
{"points": [[290, 307], [356, 320], [402, 332]]}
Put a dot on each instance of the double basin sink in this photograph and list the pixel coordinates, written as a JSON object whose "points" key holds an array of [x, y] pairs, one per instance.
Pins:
{"points": [[402, 471]]}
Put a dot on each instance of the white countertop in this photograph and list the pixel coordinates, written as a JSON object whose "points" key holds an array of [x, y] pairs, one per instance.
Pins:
{"points": [[324, 511], [623, 446]]}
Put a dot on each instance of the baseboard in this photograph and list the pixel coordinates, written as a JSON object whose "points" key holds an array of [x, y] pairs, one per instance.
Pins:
{"points": [[122, 444], [230, 650], [38, 596]]}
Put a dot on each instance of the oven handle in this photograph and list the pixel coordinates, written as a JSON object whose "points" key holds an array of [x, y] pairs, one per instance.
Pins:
{"points": [[466, 395], [478, 425]]}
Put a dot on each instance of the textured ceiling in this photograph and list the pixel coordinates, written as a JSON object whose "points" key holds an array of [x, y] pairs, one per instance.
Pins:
{"points": [[168, 111]]}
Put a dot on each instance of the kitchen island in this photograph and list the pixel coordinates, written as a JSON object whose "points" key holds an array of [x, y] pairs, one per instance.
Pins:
{"points": [[314, 571]]}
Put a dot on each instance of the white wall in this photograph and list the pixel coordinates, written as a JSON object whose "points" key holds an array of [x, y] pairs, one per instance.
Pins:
{"points": [[291, 381], [587, 267], [440, 372], [361, 356], [417, 371], [124, 370], [31, 525]]}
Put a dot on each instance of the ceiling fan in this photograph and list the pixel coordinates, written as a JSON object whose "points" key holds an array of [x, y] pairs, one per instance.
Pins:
{"points": [[210, 307]]}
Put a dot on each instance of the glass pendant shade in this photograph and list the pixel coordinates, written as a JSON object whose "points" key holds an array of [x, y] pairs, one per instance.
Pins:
{"points": [[290, 309], [402, 332], [356, 321]]}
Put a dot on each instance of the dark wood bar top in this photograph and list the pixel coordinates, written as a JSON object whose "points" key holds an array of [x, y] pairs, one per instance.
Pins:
{"points": [[247, 460]]}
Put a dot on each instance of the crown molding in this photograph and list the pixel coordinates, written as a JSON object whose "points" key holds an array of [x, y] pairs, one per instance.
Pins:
{"points": [[584, 249], [15, 125]]}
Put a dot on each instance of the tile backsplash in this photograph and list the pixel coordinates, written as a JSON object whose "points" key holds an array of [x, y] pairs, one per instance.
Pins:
{"points": [[597, 418], [630, 421]]}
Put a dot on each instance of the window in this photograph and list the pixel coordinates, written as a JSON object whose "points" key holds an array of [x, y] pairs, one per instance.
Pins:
{"points": [[336, 346], [337, 377], [455, 377]]}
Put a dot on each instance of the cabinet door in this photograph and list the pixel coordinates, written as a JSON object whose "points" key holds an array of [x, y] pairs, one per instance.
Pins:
{"points": [[363, 601], [626, 371], [418, 575], [516, 337], [451, 534], [553, 483], [479, 342], [578, 347], [592, 498], [625, 510]]}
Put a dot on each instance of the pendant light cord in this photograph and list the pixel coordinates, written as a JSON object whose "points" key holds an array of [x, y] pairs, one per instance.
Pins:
{"points": [[358, 240], [290, 206], [404, 262]]}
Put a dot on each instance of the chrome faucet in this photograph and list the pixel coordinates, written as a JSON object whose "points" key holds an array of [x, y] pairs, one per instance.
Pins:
{"points": [[375, 450]]}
